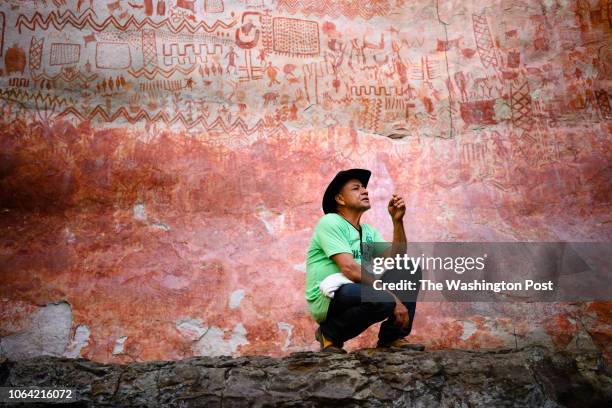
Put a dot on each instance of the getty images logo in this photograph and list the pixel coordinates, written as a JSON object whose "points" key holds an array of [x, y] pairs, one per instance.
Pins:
{"points": [[457, 264]]}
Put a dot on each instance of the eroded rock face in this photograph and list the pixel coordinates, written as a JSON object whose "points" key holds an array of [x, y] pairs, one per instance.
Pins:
{"points": [[161, 167], [47, 334], [530, 377]]}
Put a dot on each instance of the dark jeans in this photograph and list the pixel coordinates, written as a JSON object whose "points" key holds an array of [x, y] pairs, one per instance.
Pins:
{"points": [[348, 315]]}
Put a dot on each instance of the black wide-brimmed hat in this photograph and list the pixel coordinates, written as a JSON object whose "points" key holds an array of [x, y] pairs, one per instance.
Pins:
{"points": [[329, 198]]}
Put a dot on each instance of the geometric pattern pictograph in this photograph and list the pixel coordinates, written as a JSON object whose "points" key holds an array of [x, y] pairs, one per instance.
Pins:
{"points": [[484, 41]]}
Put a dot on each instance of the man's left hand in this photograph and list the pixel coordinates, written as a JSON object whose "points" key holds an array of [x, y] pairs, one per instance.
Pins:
{"points": [[396, 208]]}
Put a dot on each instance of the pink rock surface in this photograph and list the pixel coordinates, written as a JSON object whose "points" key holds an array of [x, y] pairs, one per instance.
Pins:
{"points": [[161, 170]]}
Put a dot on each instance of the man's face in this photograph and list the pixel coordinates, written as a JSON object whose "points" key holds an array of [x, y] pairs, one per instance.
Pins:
{"points": [[353, 195]]}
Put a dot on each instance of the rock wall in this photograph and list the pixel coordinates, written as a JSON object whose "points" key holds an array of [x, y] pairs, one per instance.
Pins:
{"points": [[162, 162], [531, 377]]}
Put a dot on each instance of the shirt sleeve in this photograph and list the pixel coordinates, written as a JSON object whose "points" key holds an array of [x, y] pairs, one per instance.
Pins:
{"points": [[380, 244], [331, 238], [377, 236]]}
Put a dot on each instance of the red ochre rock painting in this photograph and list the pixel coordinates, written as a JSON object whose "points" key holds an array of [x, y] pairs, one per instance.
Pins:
{"points": [[158, 205], [479, 112]]}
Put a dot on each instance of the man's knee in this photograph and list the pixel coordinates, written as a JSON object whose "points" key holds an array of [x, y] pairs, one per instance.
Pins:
{"points": [[383, 307], [375, 301]]}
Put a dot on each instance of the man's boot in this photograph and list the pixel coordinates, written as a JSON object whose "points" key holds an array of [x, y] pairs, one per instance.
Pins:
{"points": [[402, 344], [327, 346]]}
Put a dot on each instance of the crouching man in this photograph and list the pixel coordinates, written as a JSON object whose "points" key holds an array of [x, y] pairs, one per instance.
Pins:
{"points": [[334, 280]]}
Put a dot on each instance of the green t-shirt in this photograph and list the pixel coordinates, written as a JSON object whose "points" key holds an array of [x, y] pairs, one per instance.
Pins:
{"points": [[332, 235]]}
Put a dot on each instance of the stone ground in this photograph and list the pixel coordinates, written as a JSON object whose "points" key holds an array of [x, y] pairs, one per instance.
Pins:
{"points": [[528, 377]]}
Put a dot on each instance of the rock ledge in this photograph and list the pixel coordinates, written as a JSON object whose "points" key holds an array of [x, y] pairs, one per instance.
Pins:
{"points": [[529, 377]]}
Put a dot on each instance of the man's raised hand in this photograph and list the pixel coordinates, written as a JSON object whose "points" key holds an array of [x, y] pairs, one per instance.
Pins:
{"points": [[396, 208]]}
